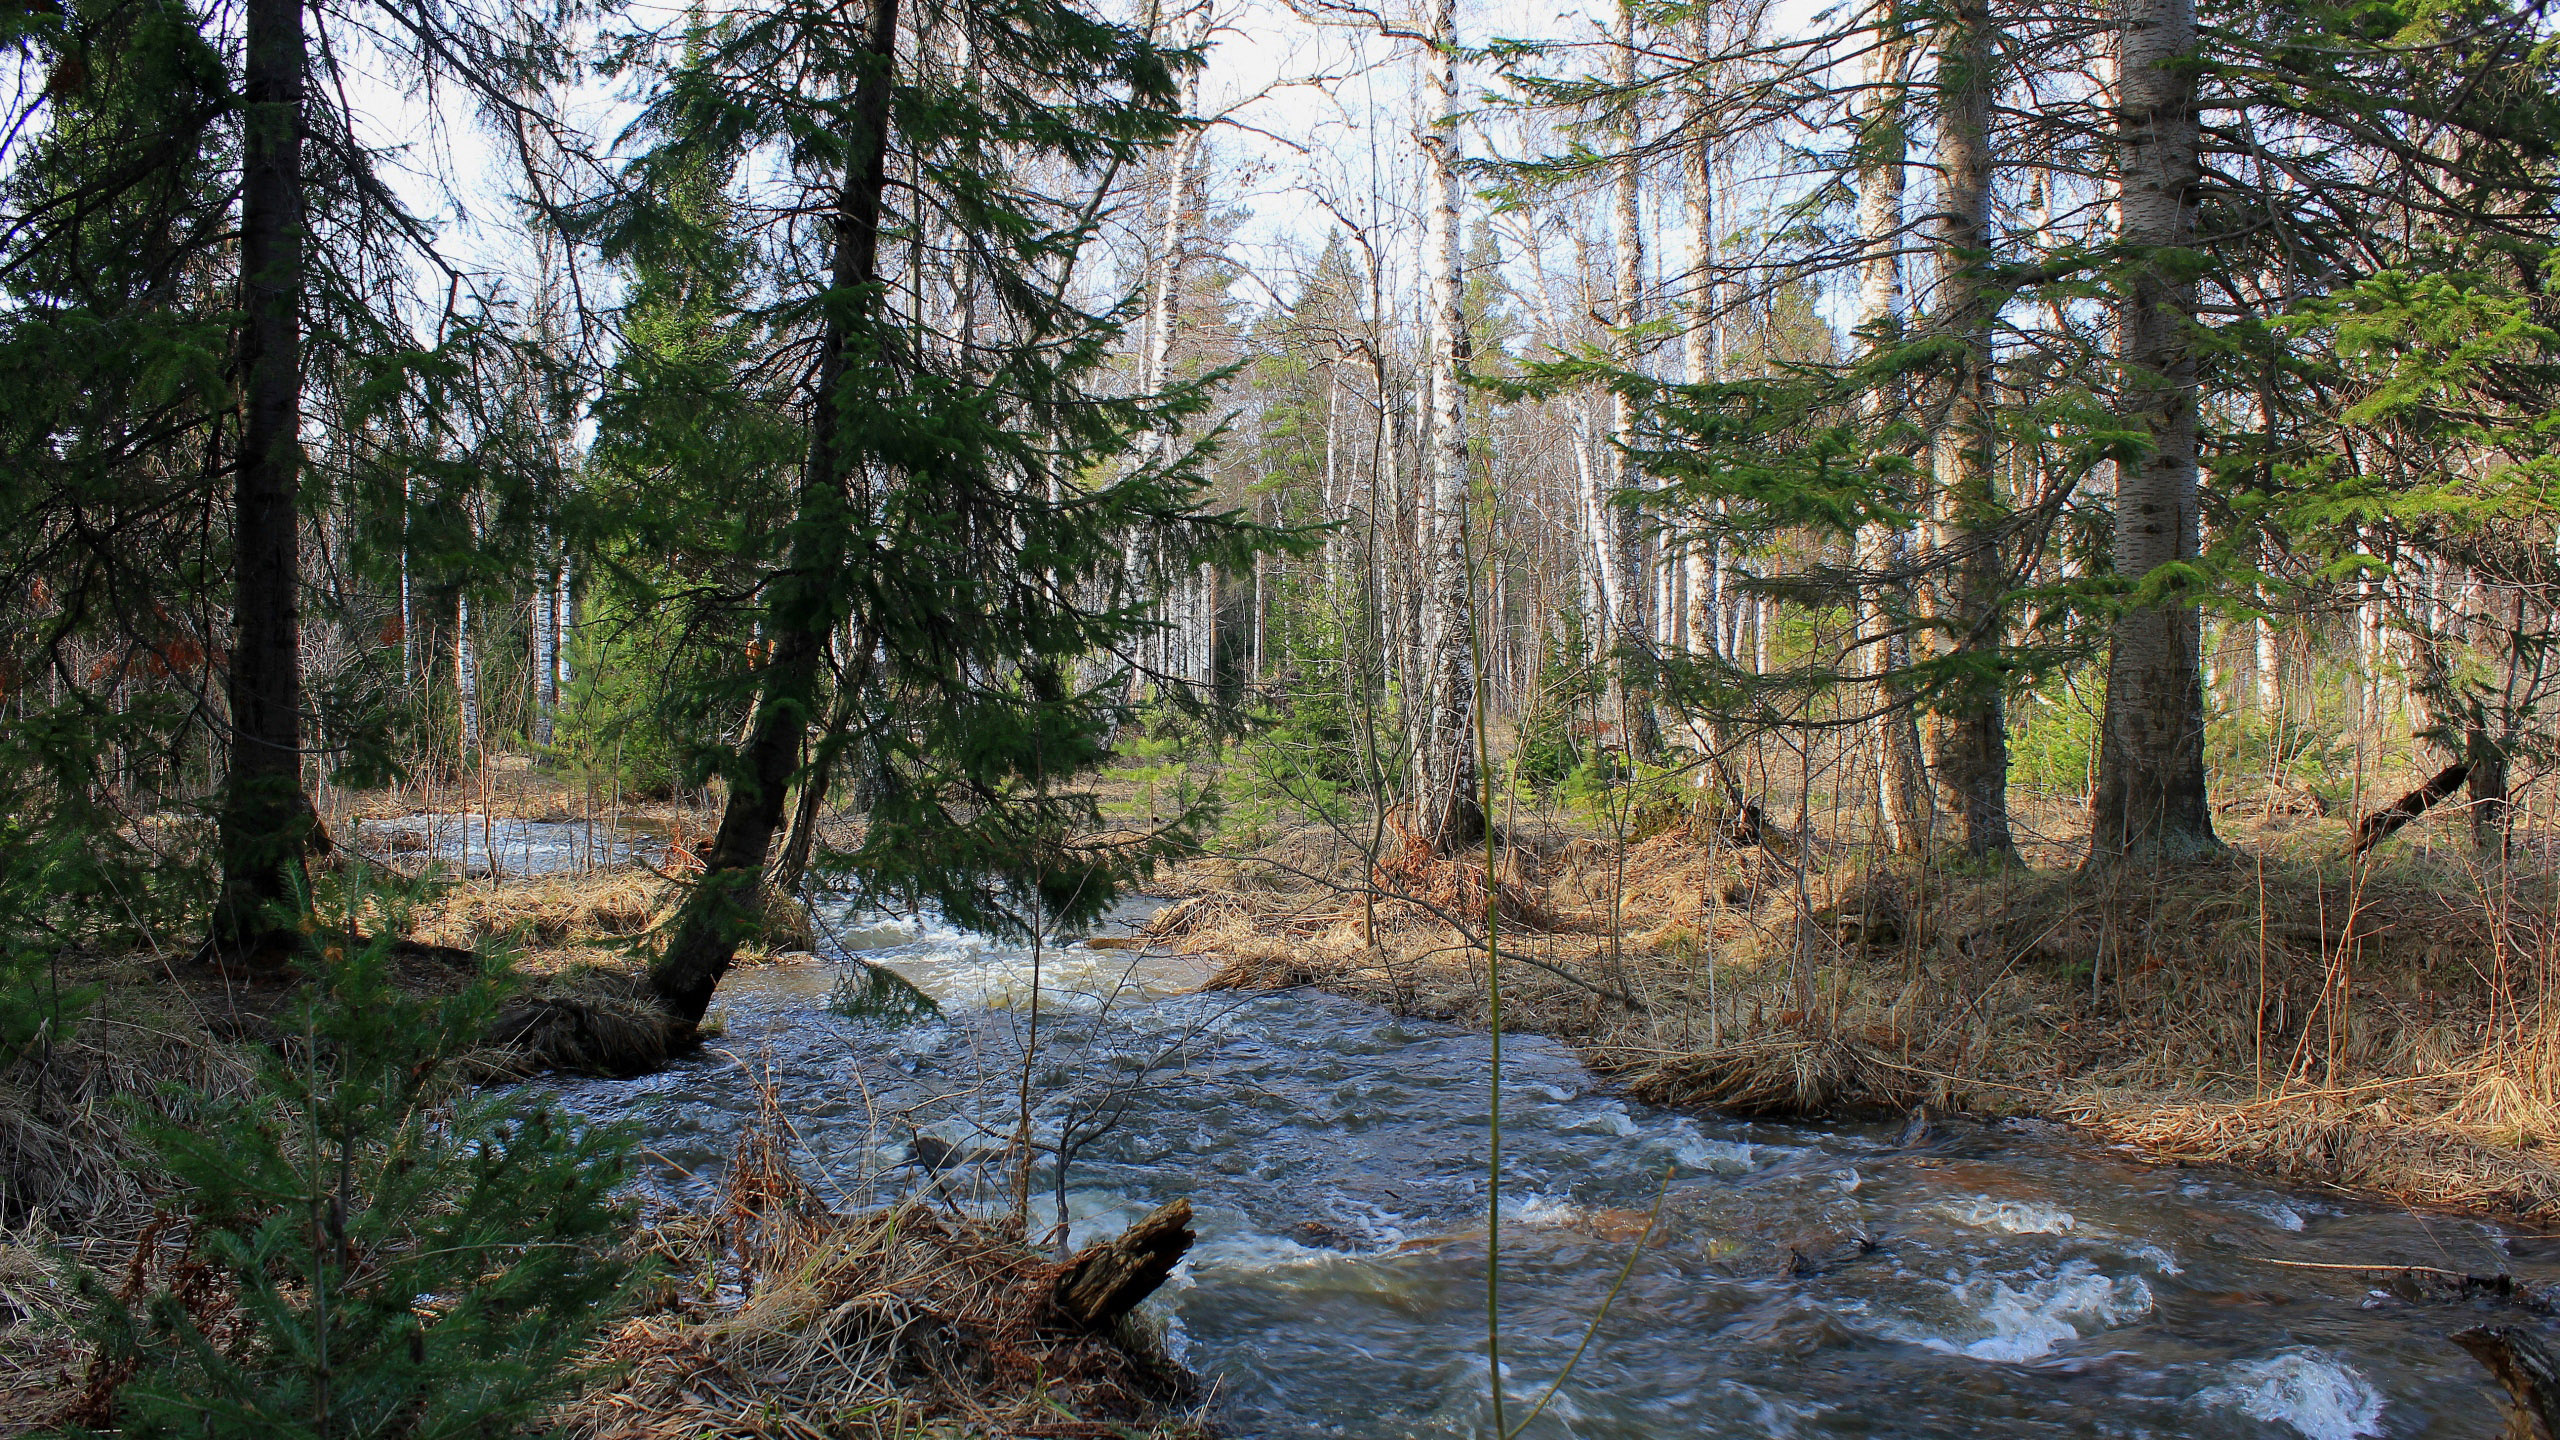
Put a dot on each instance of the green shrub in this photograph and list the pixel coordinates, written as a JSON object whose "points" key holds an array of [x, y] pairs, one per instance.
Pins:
{"points": [[615, 727], [375, 1250], [2053, 733]]}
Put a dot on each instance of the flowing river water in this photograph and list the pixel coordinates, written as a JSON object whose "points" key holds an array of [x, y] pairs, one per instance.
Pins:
{"points": [[1834, 1280], [1802, 1280]]}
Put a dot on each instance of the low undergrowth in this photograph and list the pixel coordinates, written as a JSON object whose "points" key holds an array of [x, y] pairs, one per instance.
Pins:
{"points": [[2386, 1027]]}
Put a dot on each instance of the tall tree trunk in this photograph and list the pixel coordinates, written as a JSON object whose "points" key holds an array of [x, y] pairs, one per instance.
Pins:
{"points": [[724, 905], [1447, 815], [267, 821], [1700, 355], [564, 611], [1968, 736], [546, 642], [1173, 644], [2269, 664], [1634, 631], [1902, 784], [800, 844], [2151, 795]]}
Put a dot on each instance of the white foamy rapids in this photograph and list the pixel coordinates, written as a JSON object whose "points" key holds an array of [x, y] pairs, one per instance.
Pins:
{"points": [[1610, 1119], [2318, 1395], [2016, 1217], [2014, 1326], [1252, 1251], [2279, 1213], [1693, 1151], [969, 971], [1546, 1212], [2284, 1216]]}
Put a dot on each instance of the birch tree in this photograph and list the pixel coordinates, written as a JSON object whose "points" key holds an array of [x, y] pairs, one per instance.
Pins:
{"points": [[1447, 815], [1884, 604]]}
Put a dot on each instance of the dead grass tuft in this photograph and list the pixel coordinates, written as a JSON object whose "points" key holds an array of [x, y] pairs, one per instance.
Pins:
{"points": [[789, 1319], [550, 912]]}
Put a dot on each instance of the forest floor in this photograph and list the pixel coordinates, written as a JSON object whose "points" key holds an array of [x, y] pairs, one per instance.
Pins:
{"points": [[2388, 1027], [771, 1308]]}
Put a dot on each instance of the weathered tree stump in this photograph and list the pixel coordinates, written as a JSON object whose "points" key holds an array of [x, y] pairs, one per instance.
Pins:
{"points": [[1108, 1278], [2517, 1357]]}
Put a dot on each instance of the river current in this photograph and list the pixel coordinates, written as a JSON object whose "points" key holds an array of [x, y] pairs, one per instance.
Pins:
{"points": [[2004, 1280]]}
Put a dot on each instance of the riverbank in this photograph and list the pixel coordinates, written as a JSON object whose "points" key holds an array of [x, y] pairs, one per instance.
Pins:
{"points": [[2383, 1028], [1767, 980], [769, 1312]]}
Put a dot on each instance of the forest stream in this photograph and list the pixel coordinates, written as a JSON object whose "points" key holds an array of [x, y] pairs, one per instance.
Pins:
{"points": [[1800, 1279]]}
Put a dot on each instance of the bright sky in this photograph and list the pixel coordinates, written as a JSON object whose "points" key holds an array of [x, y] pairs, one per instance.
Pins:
{"points": [[1315, 116]]}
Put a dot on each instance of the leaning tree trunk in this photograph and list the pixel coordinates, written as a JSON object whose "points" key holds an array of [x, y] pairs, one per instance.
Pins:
{"points": [[1446, 814], [1902, 789], [724, 906], [2151, 796], [1968, 737], [267, 821]]}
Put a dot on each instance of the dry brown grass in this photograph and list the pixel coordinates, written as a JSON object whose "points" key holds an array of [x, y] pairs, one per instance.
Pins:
{"points": [[785, 1318], [2391, 1028], [548, 913], [41, 1354], [73, 1180]]}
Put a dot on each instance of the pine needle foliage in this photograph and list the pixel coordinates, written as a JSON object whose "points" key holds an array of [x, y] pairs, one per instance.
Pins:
{"points": [[983, 509], [374, 1250]]}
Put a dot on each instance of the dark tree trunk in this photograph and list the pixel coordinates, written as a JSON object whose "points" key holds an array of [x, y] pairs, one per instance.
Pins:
{"points": [[267, 821], [2516, 1356], [827, 756], [724, 905], [2151, 795], [2388, 821], [1968, 731], [2486, 780], [436, 680]]}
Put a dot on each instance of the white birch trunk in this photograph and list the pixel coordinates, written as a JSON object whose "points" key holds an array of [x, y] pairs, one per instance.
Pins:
{"points": [[1447, 813], [466, 675], [1700, 362], [1902, 794], [564, 625], [1634, 619], [2269, 664]]}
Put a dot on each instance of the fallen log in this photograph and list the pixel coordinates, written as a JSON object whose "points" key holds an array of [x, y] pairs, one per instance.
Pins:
{"points": [[1107, 1279], [2517, 1357], [2386, 822]]}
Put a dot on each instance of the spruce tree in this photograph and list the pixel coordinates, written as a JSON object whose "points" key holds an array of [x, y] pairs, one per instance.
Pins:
{"points": [[375, 1249], [966, 524]]}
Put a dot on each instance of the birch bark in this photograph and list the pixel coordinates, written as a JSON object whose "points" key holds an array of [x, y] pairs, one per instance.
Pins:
{"points": [[1447, 815], [1902, 792], [1634, 627]]}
